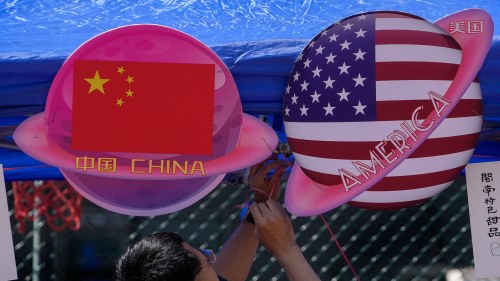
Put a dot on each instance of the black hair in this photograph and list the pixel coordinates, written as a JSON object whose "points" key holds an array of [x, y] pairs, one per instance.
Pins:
{"points": [[156, 257]]}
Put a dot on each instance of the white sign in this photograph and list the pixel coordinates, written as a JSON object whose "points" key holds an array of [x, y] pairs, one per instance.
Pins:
{"points": [[483, 190], [7, 258]]}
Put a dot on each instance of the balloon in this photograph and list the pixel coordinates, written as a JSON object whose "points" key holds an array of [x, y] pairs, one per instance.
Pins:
{"points": [[383, 108], [137, 181]]}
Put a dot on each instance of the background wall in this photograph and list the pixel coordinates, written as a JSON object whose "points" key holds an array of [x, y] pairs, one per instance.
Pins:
{"points": [[419, 243]]}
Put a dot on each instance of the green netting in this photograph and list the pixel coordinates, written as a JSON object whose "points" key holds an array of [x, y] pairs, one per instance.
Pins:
{"points": [[427, 242]]}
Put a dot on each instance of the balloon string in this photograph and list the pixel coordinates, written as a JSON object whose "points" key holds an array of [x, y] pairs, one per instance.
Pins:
{"points": [[340, 247]]}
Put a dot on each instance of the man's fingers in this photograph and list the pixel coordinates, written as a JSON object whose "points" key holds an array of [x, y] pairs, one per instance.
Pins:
{"points": [[264, 209], [273, 206], [256, 214], [275, 183], [273, 156], [277, 175], [261, 174], [255, 168]]}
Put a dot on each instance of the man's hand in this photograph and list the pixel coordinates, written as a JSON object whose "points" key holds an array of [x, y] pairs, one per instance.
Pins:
{"points": [[274, 230], [273, 227], [264, 188]]}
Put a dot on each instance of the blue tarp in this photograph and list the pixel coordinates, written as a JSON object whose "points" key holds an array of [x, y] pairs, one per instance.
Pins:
{"points": [[258, 40]]}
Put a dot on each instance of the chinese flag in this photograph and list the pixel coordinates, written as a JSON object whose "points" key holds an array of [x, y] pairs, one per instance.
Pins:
{"points": [[143, 107]]}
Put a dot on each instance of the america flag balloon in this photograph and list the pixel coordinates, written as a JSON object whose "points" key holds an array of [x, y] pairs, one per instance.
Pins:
{"points": [[373, 103]]}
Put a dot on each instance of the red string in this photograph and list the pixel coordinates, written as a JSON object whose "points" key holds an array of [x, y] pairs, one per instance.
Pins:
{"points": [[340, 248], [258, 190]]}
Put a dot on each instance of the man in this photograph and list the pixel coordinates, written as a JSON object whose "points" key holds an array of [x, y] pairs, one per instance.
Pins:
{"points": [[165, 256]]}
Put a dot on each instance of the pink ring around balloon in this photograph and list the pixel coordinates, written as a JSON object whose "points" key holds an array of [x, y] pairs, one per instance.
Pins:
{"points": [[256, 143]]}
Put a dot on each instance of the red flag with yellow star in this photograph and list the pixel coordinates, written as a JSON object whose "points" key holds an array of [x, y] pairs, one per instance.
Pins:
{"points": [[143, 107]]}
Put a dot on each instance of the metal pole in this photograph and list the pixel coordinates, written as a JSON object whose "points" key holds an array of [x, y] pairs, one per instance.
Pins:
{"points": [[37, 232]]}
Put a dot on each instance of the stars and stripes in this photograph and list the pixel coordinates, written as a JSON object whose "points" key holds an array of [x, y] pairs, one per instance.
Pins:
{"points": [[373, 71]]}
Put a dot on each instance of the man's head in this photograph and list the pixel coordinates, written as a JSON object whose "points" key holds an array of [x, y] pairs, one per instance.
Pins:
{"points": [[163, 256]]}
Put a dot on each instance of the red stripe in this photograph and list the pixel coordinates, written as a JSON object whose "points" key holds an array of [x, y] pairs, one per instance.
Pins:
{"points": [[442, 146], [408, 70], [416, 181], [386, 206], [396, 15], [386, 109], [360, 150], [387, 71], [322, 178], [393, 183], [386, 37]]}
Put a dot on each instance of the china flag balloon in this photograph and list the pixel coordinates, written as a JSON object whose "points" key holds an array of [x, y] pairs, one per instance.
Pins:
{"points": [[370, 110], [144, 120]]}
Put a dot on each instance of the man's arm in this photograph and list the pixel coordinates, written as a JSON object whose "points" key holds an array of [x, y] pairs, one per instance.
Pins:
{"points": [[274, 229], [295, 265], [236, 256]]}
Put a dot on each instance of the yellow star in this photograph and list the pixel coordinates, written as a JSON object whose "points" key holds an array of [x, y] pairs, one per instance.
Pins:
{"points": [[96, 83], [119, 102], [130, 79], [130, 93], [121, 70]]}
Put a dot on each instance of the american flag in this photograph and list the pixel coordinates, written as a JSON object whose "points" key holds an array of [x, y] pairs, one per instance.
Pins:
{"points": [[355, 83]]}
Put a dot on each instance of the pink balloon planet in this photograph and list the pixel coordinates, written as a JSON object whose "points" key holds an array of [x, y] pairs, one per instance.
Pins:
{"points": [[383, 110], [238, 140]]}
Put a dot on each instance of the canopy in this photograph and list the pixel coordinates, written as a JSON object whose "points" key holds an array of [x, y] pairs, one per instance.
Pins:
{"points": [[258, 40]]}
